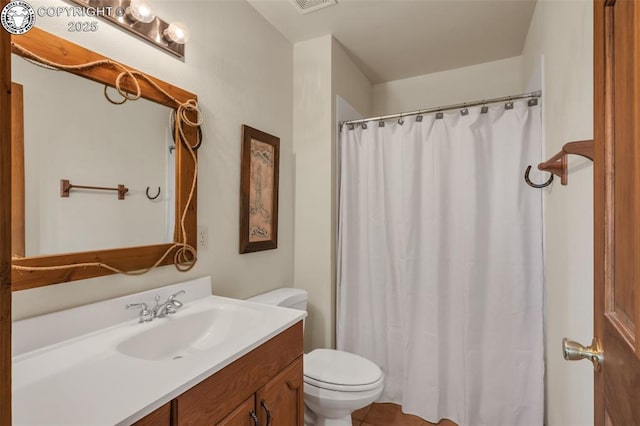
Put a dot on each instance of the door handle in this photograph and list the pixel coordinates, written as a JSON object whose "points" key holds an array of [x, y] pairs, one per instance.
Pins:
{"points": [[573, 351]]}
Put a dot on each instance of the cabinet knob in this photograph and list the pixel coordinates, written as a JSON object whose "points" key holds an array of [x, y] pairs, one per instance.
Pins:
{"points": [[266, 409], [253, 416]]}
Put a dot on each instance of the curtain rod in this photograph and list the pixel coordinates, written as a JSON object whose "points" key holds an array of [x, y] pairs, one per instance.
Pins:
{"points": [[535, 94]]}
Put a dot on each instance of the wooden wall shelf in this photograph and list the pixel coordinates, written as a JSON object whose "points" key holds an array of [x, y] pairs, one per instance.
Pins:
{"points": [[558, 165]]}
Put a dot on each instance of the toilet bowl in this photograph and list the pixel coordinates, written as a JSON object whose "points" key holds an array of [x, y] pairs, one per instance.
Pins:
{"points": [[336, 383]]}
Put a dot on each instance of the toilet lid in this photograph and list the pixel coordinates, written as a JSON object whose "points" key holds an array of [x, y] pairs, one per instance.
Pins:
{"points": [[331, 369]]}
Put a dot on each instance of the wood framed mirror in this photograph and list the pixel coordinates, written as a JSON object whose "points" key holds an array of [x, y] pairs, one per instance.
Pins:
{"points": [[45, 269]]}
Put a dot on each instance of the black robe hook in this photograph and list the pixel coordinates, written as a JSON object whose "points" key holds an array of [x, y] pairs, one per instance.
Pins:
{"points": [[536, 185], [150, 197]]}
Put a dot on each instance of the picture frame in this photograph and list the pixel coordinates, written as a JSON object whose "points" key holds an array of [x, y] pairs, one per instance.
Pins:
{"points": [[259, 173]]}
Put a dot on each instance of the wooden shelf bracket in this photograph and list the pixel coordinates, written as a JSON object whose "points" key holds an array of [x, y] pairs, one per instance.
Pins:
{"points": [[558, 164]]}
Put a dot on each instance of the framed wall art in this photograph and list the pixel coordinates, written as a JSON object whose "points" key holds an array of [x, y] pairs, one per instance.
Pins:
{"points": [[259, 171]]}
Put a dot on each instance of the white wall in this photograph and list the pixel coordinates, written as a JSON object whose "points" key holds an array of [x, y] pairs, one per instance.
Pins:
{"points": [[562, 31], [322, 71], [345, 112], [312, 134], [241, 69], [476, 82], [349, 82]]}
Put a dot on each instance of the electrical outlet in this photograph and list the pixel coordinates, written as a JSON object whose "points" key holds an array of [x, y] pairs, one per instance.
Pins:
{"points": [[203, 237]]}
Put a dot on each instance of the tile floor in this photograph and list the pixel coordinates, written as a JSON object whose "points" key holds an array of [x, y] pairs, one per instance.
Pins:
{"points": [[390, 415]]}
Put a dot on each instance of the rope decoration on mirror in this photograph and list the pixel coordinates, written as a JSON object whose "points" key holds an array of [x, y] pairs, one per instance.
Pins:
{"points": [[185, 255]]}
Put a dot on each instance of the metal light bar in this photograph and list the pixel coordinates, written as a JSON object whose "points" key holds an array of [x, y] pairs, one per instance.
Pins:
{"points": [[151, 32], [536, 94]]}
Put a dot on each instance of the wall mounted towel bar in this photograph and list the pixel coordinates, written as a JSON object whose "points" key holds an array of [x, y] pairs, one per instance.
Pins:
{"points": [[558, 164], [66, 186]]}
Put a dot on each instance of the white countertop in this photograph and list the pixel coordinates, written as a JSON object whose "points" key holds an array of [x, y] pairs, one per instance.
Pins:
{"points": [[85, 380]]}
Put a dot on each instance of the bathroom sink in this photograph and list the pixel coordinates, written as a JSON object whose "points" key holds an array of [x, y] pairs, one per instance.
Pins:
{"points": [[185, 333], [60, 357]]}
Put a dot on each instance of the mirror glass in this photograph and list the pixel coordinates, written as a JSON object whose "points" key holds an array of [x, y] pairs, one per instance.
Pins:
{"points": [[72, 132]]}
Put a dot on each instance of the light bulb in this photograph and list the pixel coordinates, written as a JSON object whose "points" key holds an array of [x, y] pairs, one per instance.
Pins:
{"points": [[177, 32], [141, 11]]}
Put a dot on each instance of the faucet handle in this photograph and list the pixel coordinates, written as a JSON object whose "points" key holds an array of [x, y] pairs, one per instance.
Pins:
{"points": [[145, 313], [142, 305], [173, 296], [174, 304]]}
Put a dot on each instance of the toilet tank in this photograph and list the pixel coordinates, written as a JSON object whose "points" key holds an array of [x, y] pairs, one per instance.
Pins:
{"points": [[293, 298]]}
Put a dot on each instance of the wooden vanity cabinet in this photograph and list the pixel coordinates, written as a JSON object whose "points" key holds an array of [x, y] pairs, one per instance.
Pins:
{"points": [[276, 403], [269, 379]]}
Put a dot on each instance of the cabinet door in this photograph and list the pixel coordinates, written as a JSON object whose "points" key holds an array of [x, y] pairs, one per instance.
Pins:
{"points": [[159, 417], [281, 401], [242, 416]]}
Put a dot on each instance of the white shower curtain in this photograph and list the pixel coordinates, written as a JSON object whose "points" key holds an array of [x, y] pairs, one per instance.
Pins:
{"points": [[440, 270]]}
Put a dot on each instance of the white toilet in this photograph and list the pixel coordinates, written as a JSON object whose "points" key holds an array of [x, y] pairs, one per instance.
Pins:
{"points": [[336, 383]]}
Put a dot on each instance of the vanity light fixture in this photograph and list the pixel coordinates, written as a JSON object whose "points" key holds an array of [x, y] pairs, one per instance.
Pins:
{"points": [[140, 11], [177, 32], [138, 17]]}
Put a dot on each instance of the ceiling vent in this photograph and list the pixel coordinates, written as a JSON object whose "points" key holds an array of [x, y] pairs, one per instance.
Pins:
{"points": [[308, 6]]}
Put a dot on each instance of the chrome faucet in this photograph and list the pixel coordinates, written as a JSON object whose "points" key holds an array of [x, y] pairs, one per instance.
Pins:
{"points": [[170, 306], [160, 310]]}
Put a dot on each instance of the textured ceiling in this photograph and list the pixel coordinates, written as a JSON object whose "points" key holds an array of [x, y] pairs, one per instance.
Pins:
{"points": [[394, 39]]}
